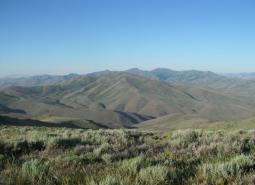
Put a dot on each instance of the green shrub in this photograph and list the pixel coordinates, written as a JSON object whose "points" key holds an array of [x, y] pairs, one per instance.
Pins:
{"points": [[153, 175], [109, 180], [132, 166], [237, 165], [72, 158], [92, 182], [107, 158], [104, 148], [188, 136], [34, 170], [90, 157]]}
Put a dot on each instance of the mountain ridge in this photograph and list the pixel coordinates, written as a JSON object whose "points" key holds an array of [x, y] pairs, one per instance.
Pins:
{"points": [[122, 99]]}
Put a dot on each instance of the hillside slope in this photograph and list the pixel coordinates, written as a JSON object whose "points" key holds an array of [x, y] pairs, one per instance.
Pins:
{"points": [[181, 121], [206, 79], [121, 99]]}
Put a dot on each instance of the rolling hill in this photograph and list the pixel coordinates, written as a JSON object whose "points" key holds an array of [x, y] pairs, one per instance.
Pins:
{"points": [[230, 84], [181, 121], [175, 122], [205, 79], [121, 99]]}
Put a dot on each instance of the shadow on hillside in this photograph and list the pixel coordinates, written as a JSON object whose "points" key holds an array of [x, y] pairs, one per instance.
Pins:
{"points": [[5, 120], [4, 109]]}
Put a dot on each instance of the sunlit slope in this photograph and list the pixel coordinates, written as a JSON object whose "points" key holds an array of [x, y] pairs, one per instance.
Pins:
{"points": [[180, 121]]}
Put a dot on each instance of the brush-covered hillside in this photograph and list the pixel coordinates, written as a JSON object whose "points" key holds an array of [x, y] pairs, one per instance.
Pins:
{"points": [[119, 99]]}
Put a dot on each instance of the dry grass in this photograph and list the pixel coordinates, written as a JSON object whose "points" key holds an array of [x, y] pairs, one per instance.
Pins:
{"points": [[50, 156]]}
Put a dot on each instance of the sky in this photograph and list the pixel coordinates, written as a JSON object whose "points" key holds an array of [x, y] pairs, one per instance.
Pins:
{"points": [[81, 36]]}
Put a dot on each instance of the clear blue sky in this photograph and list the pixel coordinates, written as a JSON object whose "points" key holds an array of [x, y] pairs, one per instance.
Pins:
{"points": [[62, 36]]}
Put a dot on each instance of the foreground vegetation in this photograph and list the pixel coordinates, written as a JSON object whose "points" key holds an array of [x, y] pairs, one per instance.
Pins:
{"points": [[30, 155]]}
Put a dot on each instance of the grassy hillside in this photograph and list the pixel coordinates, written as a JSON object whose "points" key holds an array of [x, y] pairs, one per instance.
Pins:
{"points": [[174, 122], [180, 121], [49, 102], [50, 156], [121, 100]]}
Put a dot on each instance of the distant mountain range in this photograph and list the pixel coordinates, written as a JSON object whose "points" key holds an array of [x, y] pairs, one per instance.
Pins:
{"points": [[110, 99], [205, 79], [241, 75], [34, 80]]}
